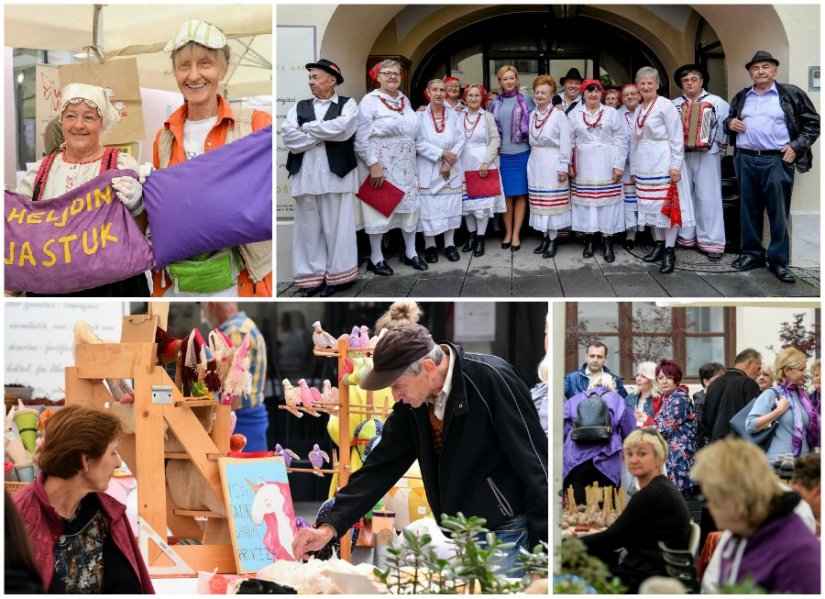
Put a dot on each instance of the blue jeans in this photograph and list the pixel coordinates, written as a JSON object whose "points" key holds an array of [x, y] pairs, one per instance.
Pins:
{"points": [[765, 182], [513, 530]]}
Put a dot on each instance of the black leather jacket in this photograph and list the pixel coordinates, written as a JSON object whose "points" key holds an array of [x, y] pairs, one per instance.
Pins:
{"points": [[494, 458], [800, 117]]}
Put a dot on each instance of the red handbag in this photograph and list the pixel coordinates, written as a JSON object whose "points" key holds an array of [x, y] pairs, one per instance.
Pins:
{"points": [[384, 199], [671, 207], [482, 188]]}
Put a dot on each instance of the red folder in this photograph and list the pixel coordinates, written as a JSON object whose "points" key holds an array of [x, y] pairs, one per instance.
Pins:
{"points": [[384, 199], [482, 188]]}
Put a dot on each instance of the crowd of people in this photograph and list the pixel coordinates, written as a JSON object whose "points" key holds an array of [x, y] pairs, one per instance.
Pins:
{"points": [[595, 161], [668, 449]]}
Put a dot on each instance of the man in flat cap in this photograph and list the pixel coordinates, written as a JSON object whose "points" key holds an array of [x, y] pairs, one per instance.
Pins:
{"points": [[773, 126], [319, 134], [703, 165], [470, 422]]}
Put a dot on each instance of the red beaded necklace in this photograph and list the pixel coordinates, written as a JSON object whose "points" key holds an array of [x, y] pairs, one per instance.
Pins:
{"points": [[642, 117], [468, 132], [538, 124], [395, 108], [440, 123], [590, 126]]}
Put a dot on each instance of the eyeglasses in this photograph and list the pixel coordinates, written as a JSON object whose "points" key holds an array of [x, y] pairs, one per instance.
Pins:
{"points": [[390, 74]]}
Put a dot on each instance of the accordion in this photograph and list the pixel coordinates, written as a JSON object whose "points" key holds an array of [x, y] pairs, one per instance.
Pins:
{"points": [[699, 124]]}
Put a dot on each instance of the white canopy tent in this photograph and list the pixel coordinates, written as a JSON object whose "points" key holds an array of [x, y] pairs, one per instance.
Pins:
{"points": [[141, 31]]}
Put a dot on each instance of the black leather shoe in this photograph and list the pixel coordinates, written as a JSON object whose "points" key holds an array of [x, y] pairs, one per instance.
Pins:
{"points": [[505, 245], [382, 268], [783, 273], [668, 261], [329, 290], [588, 247], [469, 244], [550, 251], [656, 253], [515, 248], [417, 263], [310, 291], [543, 245], [629, 244], [748, 262], [452, 254], [478, 250], [607, 248], [431, 255]]}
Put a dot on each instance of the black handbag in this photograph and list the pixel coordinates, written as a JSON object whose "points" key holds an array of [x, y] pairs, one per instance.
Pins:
{"points": [[761, 438]]}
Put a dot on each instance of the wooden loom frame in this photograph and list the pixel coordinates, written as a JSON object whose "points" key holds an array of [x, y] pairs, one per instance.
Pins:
{"points": [[143, 451]]}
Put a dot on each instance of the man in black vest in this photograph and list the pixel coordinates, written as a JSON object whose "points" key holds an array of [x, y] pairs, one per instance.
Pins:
{"points": [[319, 134]]}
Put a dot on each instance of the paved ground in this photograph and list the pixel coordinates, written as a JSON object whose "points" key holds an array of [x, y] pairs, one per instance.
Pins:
{"points": [[502, 273]]}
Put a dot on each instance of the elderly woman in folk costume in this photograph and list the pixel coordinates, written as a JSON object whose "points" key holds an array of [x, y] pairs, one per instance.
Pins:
{"points": [[200, 60], [453, 97], [547, 167], [440, 175], [657, 149], [630, 100], [388, 128], [480, 152], [511, 110], [85, 113], [600, 151]]}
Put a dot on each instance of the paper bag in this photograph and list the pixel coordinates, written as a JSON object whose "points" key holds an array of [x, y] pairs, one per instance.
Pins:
{"points": [[121, 77]]}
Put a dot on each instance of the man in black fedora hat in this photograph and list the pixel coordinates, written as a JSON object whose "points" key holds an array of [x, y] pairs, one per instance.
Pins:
{"points": [[470, 422], [703, 165], [569, 96], [772, 126], [319, 134]]}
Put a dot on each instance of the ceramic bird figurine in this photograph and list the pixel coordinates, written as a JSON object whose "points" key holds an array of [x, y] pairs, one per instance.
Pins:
{"points": [[308, 398], [348, 369], [329, 393], [376, 338], [317, 457], [287, 454], [355, 337], [292, 398], [321, 338], [365, 336]]}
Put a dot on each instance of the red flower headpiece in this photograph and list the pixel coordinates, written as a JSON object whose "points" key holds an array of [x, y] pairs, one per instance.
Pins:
{"points": [[374, 71], [588, 82], [624, 87], [447, 80]]}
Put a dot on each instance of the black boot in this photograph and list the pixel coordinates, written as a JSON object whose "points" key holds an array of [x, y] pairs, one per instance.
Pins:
{"points": [[607, 248], [669, 261], [588, 246], [543, 245], [470, 243], [478, 249], [656, 253], [551, 249]]}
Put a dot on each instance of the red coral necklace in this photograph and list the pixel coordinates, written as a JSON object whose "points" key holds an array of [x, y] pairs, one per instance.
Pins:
{"points": [[642, 117], [468, 131], [396, 106], [590, 126], [439, 123]]}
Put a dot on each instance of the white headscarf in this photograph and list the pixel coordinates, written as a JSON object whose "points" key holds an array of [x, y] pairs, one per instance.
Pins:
{"points": [[94, 96], [201, 32]]}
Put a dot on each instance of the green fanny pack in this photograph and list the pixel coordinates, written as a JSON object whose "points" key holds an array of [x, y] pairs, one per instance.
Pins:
{"points": [[205, 273]]}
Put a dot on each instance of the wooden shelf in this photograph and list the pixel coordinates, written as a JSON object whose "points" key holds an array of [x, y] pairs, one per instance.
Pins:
{"points": [[196, 513], [195, 402], [182, 455]]}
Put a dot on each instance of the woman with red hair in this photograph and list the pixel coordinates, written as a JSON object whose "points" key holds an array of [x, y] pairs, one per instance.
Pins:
{"points": [[547, 167], [479, 154], [675, 420], [600, 152], [453, 99]]}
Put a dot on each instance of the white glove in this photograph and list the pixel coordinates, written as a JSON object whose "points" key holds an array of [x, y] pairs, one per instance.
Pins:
{"points": [[130, 193], [144, 170]]}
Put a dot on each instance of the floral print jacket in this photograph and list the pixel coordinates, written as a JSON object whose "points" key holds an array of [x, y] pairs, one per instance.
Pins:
{"points": [[676, 421]]}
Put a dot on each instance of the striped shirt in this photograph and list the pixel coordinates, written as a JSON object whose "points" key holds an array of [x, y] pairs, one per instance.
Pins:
{"points": [[235, 328]]}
